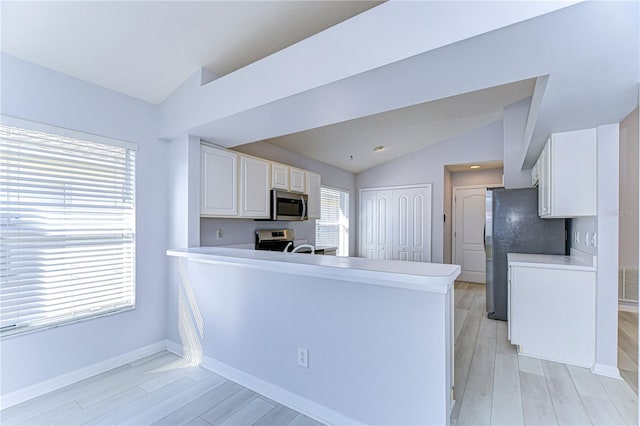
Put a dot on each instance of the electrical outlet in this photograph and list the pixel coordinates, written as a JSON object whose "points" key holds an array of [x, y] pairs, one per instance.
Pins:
{"points": [[303, 357], [218, 234]]}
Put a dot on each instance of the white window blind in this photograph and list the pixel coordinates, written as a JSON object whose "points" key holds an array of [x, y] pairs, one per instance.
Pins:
{"points": [[67, 229], [333, 228]]}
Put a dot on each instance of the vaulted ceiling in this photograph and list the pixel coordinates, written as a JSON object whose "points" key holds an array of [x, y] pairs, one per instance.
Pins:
{"points": [[332, 80]]}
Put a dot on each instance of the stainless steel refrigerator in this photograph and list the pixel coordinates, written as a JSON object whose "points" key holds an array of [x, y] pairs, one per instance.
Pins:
{"points": [[513, 226]]}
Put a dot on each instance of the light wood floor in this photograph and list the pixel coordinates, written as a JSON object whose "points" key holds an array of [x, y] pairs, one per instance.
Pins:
{"points": [[628, 347], [160, 389], [495, 386]]}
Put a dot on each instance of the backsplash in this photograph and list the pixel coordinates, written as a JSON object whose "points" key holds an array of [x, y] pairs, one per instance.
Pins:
{"points": [[241, 231], [582, 234]]}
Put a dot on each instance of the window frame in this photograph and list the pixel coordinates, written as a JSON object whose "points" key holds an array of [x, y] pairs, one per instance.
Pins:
{"points": [[132, 178], [348, 226]]}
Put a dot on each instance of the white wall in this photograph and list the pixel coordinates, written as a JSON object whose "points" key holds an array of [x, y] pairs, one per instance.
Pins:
{"points": [[38, 94], [468, 178], [427, 166], [515, 121], [605, 225]]}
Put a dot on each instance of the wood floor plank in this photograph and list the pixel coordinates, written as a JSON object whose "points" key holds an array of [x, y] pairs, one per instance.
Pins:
{"points": [[168, 376], [148, 358], [469, 332], [481, 372], [530, 365], [586, 383], [488, 328], [463, 356], [506, 408], [476, 409], [537, 407], [200, 405], [279, 415], [108, 405], [250, 413], [602, 411], [229, 406], [466, 297], [626, 363], [122, 414], [478, 305], [566, 401], [459, 317], [631, 377], [628, 346], [115, 383], [302, 420], [54, 415], [503, 346], [154, 413], [623, 397], [20, 412], [198, 421]]}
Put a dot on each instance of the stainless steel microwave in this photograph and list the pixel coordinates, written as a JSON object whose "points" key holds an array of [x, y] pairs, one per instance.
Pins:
{"points": [[288, 205]]}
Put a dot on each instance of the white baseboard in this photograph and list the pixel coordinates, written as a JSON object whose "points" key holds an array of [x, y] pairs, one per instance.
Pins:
{"points": [[282, 396], [41, 388], [606, 370]]}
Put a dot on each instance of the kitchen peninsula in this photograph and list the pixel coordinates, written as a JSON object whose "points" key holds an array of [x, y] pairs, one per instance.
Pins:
{"points": [[344, 340]]}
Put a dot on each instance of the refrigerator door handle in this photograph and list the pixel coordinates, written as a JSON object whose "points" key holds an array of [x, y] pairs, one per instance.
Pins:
{"points": [[488, 249]]}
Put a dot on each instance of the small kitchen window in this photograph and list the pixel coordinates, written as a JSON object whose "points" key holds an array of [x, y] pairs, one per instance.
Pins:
{"points": [[333, 228], [67, 226]]}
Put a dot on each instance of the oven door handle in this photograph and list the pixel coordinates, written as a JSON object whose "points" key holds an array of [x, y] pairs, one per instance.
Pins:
{"points": [[304, 208]]}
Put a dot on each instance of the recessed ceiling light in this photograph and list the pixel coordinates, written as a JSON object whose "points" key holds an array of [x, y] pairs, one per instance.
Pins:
{"points": [[378, 148], [474, 167]]}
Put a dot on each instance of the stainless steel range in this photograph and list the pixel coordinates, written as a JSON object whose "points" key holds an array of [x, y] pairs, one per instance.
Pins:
{"points": [[279, 240], [275, 239]]}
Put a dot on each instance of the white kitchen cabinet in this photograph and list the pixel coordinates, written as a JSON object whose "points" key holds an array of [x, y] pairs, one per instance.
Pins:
{"points": [[551, 310], [218, 182], [255, 180], [313, 191], [297, 180], [279, 176], [567, 175]]}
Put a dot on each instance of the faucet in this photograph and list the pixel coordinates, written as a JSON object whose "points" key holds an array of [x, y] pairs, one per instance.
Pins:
{"points": [[301, 246], [286, 249]]}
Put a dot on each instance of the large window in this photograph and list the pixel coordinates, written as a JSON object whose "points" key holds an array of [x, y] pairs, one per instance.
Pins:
{"points": [[67, 226], [333, 227]]}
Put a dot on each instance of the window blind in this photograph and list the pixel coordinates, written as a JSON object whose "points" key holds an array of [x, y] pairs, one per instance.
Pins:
{"points": [[67, 229], [333, 227]]}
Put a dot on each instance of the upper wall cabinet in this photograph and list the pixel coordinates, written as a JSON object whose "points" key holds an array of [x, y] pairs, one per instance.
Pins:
{"points": [[218, 182], [313, 189], [254, 187], [296, 180], [567, 175], [238, 185], [279, 176]]}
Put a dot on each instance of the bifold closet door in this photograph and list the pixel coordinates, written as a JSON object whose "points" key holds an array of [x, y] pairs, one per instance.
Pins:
{"points": [[376, 223], [395, 224]]}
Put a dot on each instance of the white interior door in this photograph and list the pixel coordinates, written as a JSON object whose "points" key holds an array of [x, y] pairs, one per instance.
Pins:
{"points": [[468, 233], [375, 219], [412, 224]]}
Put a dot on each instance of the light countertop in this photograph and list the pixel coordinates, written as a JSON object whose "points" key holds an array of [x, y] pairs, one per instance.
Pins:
{"points": [[551, 261], [432, 277]]}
